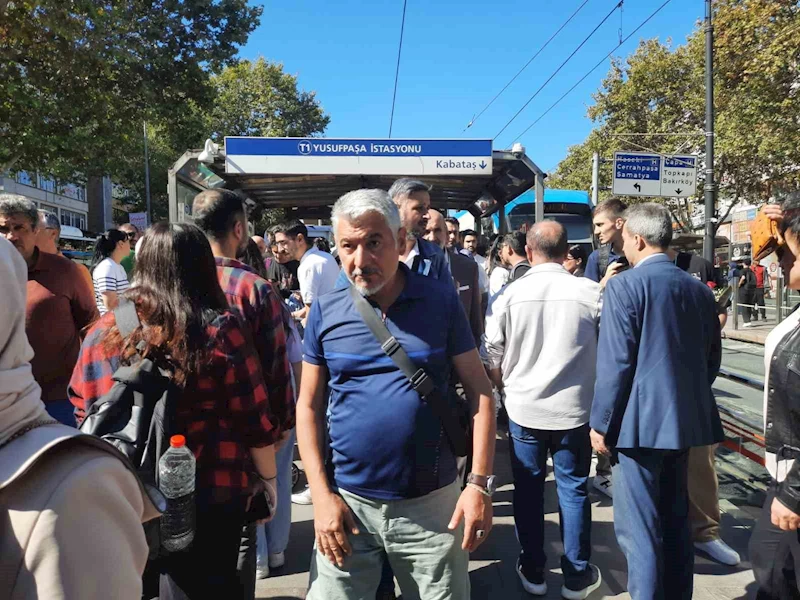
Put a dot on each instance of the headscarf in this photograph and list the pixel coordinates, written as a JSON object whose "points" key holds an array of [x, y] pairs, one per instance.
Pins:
{"points": [[20, 396]]}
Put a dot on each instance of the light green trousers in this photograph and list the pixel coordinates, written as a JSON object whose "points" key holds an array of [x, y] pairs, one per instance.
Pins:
{"points": [[425, 556]]}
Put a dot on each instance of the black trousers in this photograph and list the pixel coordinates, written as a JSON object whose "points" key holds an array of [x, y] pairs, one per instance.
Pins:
{"points": [[775, 557], [208, 567], [759, 302], [746, 297]]}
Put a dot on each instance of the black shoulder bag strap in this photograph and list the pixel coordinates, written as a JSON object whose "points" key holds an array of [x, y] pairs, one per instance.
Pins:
{"points": [[418, 378], [603, 256]]}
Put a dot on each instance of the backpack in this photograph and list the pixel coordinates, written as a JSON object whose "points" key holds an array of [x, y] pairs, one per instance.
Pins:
{"points": [[750, 281], [137, 416]]}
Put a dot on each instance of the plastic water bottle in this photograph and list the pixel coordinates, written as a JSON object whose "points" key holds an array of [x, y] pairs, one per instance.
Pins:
{"points": [[176, 471]]}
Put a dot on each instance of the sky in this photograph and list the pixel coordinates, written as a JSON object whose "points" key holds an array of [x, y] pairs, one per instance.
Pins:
{"points": [[456, 56]]}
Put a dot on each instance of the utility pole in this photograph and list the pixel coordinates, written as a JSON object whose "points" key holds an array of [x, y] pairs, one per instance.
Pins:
{"points": [[710, 187], [595, 178], [147, 176]]}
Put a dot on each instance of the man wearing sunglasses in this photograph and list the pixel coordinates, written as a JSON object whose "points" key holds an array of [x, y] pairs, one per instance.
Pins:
{"points": [[129, 262]]}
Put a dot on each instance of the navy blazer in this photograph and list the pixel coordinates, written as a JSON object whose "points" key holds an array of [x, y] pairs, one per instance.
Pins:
{"points": [[430, 262], [658, 355]]}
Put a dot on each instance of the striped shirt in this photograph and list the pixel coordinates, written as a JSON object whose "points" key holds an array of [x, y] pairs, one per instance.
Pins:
{"points": [[108, 276]]}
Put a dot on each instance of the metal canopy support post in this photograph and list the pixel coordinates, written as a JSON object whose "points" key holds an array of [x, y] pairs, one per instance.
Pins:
{"points": [[501, 215], [539, 212], [710, 185]]}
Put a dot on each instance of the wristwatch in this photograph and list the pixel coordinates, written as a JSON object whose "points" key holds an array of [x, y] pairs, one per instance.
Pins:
{"points": [[487, 484]]}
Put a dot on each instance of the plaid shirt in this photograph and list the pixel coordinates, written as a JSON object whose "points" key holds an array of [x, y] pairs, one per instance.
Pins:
{"points": [[222, 411], [261, 307]]}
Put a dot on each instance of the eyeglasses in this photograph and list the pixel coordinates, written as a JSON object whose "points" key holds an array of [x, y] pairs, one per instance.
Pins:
{"points": [[130, 235]]}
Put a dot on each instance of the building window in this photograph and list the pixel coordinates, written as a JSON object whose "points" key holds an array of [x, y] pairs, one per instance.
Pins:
{"points": [[48, 208], [47, 184], [73, 218], [26, 178], [72, 190]]}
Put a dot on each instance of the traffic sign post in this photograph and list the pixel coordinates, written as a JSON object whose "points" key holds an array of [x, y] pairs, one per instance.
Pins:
{"points": [[312, 156], [644, 174]]}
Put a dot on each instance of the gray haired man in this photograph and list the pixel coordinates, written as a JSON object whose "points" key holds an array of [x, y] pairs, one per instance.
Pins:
{"points": [[393, 492]]}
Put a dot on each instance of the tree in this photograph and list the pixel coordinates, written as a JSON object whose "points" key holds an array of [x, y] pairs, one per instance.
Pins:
{"points": [[249, 98], [658, 90], [79, 77]]}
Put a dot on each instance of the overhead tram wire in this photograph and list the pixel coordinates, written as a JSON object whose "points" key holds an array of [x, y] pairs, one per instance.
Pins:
{"points": [[593, 69], [397, 70], [527, 64], [561, 66]]}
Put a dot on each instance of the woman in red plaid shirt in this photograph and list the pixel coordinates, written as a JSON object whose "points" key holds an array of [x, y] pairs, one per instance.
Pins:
{"points": [[223, 411]]}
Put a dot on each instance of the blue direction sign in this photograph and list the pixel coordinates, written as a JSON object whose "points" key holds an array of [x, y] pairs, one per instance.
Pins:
{"points": [[643, 174], [357, 156]]}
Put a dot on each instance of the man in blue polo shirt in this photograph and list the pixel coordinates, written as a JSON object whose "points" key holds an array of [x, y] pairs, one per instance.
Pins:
{"points": [[392, 492]]}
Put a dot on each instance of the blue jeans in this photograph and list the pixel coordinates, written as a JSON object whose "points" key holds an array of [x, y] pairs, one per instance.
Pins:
{"points": [[571, 450], [62, 411], [273, 537], [651, 520]]}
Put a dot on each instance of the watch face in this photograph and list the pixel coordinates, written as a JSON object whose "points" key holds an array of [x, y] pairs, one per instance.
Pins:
{"points": [[491, 484]]}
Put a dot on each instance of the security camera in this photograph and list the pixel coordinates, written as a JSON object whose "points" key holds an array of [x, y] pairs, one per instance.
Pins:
{"points": [[518, 150], [210, 151]]}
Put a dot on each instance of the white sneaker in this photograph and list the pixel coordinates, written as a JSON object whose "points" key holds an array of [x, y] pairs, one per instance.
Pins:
{"points": [[262, 571], [303, 497], [537, 589], [719, 551], [603, 485], [747, 325], [277, 560]]}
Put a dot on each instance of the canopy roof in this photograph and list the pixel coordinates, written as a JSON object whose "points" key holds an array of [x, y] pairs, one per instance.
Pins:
{"points": [[312, 196]]}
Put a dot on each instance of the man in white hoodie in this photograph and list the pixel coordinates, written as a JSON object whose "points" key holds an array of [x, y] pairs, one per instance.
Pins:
{"points": [[541, 342]]}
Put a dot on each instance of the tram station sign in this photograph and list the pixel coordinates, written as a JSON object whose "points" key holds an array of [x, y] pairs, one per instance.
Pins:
{"points": [[643, 174], [315, 156]]}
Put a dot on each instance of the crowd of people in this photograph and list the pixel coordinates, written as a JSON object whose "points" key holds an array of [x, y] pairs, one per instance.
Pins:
{"points": [[387, 360]]}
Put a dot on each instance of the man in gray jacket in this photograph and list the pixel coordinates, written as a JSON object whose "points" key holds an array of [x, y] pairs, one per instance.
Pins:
{"points": [[541, 341]]}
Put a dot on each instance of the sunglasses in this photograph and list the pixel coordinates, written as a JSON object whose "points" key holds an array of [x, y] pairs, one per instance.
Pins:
{"points": [[130, 235]]}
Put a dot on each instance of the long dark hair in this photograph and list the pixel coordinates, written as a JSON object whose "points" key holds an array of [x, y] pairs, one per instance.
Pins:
{"points": [[253, 259], [177, 295], [105, 245]]}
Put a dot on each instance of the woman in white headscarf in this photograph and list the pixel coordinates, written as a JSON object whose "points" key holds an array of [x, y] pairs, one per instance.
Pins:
{"points": [[70, 509]]}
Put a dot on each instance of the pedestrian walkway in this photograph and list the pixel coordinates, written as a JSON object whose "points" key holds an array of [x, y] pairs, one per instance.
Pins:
{"points": [[492, 566], [756, 334]]}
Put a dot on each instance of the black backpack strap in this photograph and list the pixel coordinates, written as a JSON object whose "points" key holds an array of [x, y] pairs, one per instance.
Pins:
{"points": [[126, 317], [418, 378], [603, 254]]}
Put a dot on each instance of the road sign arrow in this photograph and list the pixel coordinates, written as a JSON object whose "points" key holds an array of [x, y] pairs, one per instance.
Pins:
{"points": [[483, 164], [678, 191], [638, 187]]}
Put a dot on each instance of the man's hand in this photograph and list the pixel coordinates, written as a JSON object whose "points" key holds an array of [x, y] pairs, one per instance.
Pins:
{"points": [[773, 211], [613, 269], [784, 518], [476, 510], [333, 521], [599, 443]]}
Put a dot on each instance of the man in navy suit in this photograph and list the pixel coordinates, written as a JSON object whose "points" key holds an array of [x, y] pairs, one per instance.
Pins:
{"points": [[659, 352]]}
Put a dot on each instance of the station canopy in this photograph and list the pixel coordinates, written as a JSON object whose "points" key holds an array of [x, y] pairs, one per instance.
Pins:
{"points": [[307, 176]]}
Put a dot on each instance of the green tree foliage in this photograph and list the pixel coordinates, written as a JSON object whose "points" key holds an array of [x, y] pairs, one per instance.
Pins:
{"points": [[253, 98], [660, 90], [80, 76]]}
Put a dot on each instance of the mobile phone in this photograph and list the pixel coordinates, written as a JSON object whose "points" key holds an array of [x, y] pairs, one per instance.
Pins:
{"points": [[260, 508]]}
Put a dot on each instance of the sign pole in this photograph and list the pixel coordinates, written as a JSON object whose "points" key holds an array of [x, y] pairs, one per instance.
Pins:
{"points": [[595, 178], [147, 176], [710, 187]]}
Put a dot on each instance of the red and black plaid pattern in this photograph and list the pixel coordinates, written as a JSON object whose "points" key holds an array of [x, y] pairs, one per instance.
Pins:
{"points": [[260, 306], [223, 411]]}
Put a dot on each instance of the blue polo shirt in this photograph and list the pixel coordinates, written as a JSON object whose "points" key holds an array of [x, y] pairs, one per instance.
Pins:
{"points": [[384, 438]]}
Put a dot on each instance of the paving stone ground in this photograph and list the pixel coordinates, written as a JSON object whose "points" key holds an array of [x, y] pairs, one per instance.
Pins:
{"points": [[492, 565]]}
